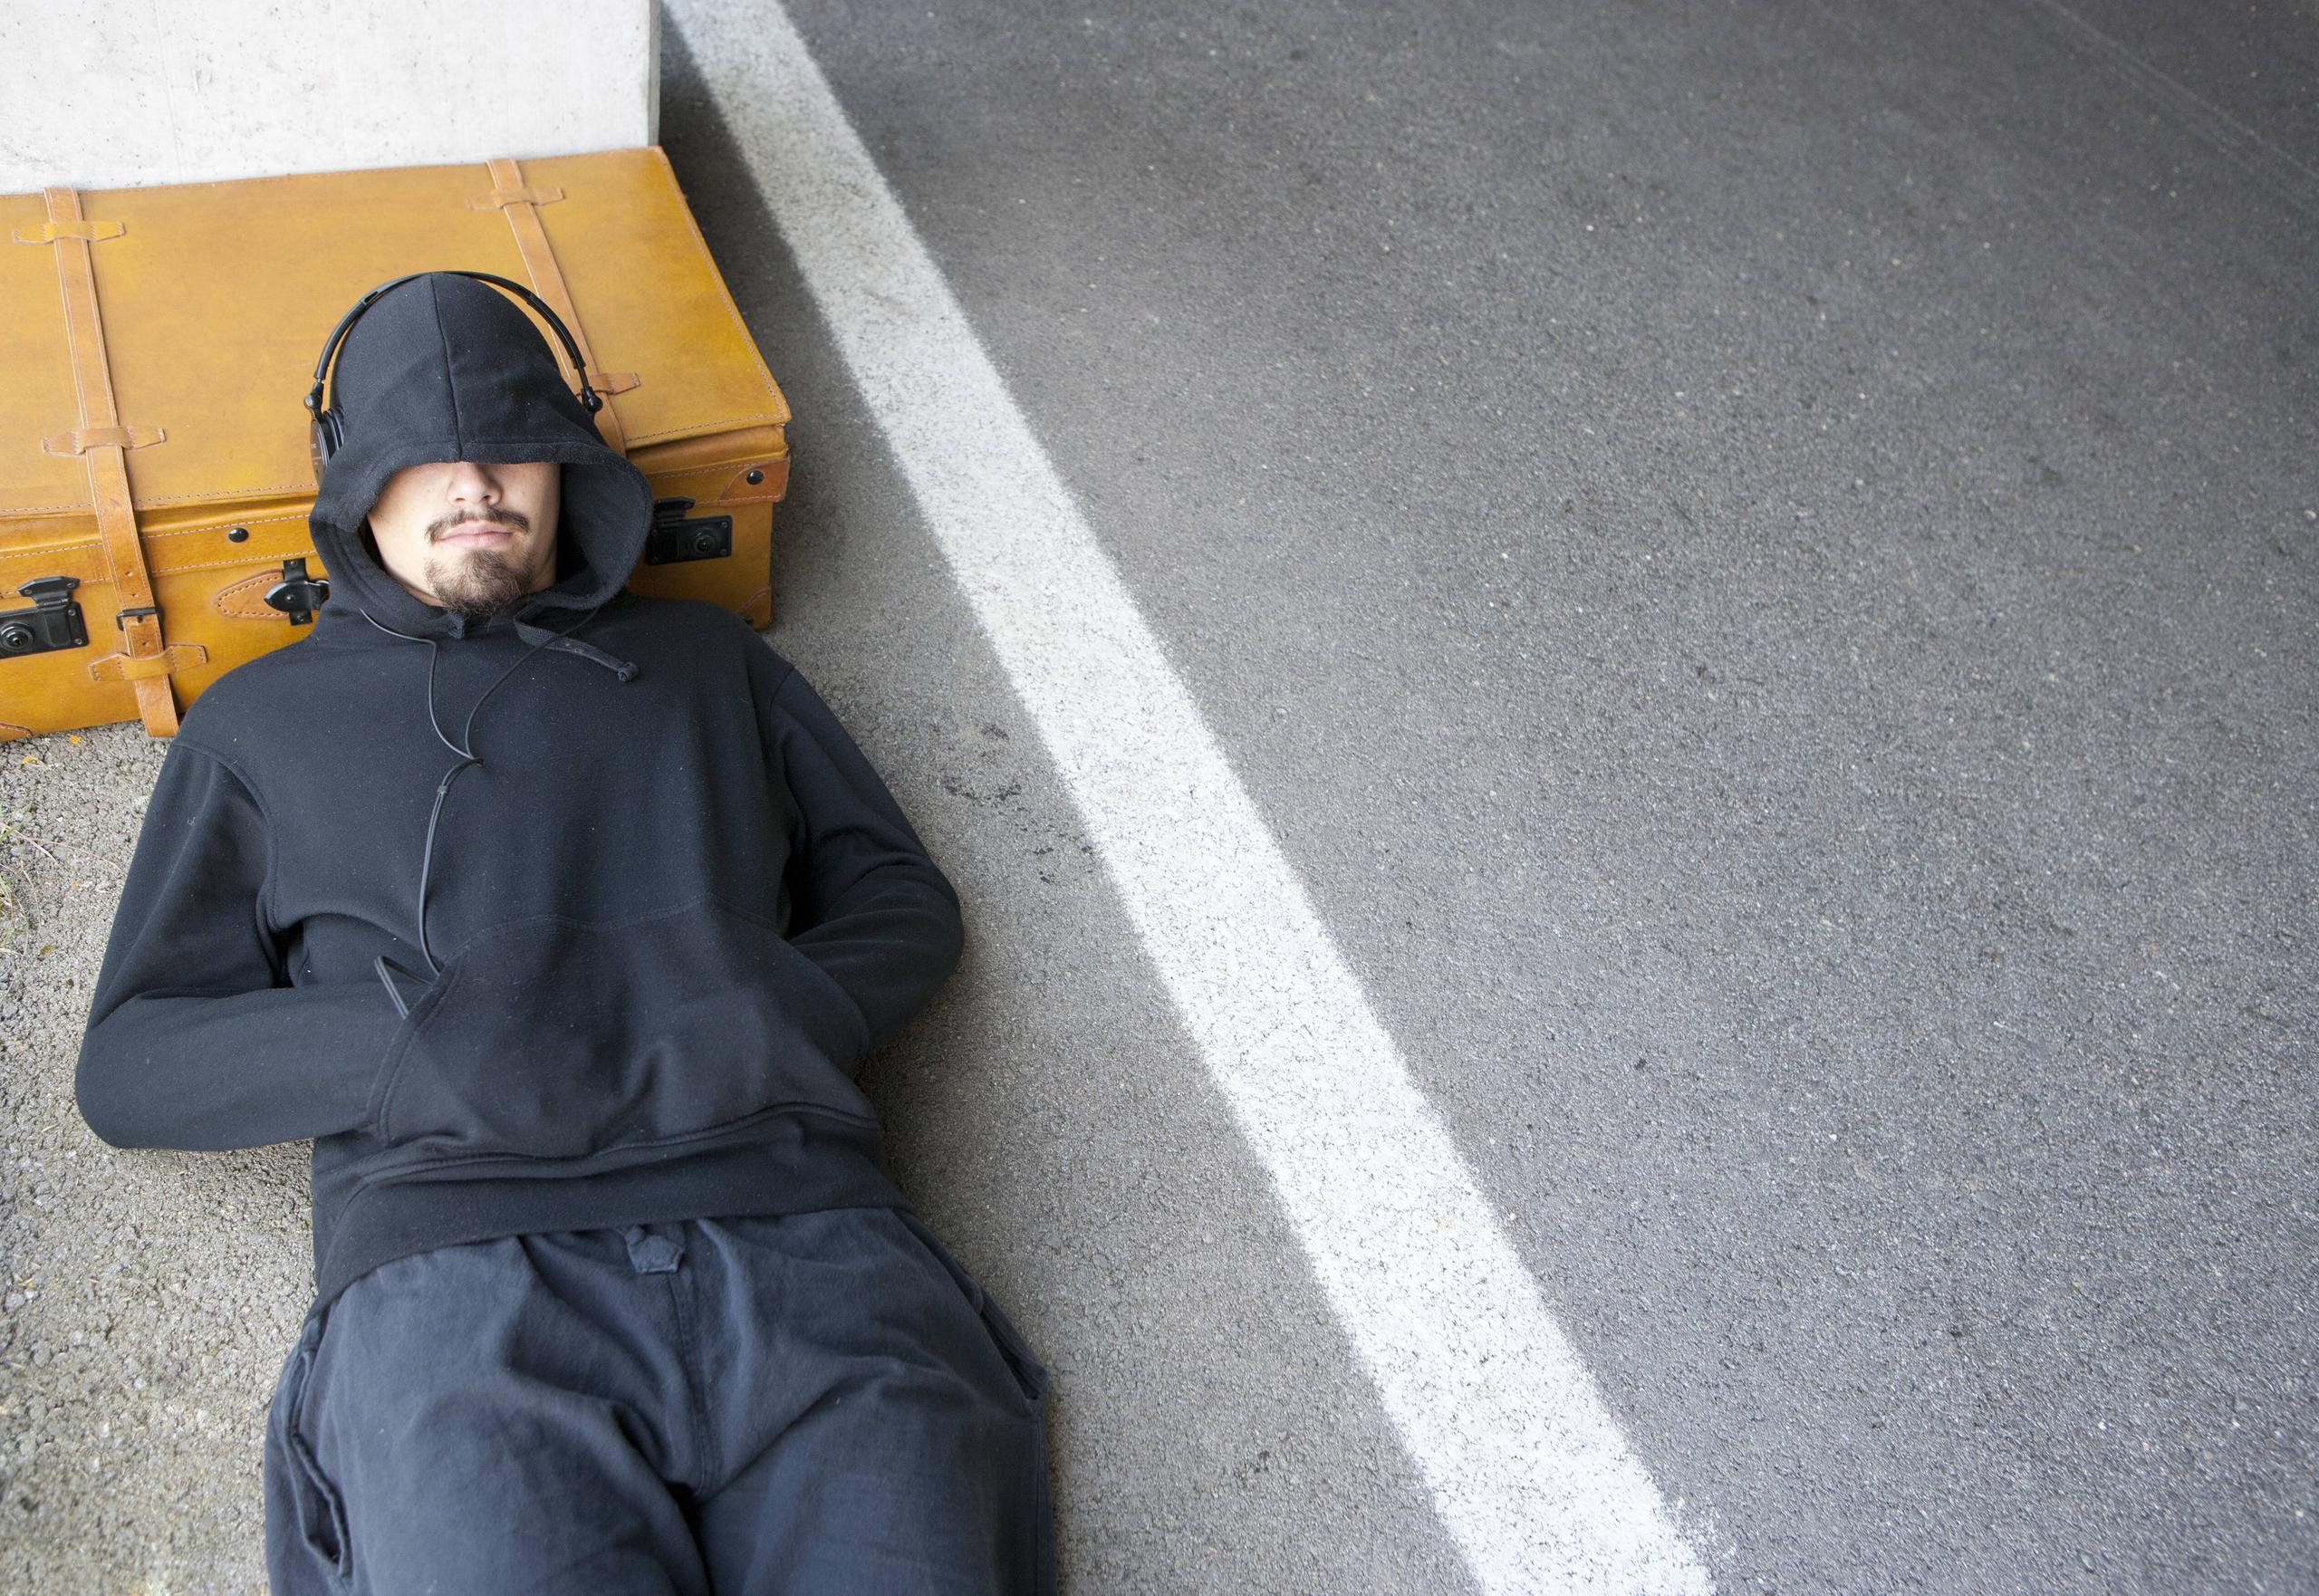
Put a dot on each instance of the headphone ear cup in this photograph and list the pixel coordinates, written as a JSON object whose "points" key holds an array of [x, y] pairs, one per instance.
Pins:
{"points": [[325, 442]]}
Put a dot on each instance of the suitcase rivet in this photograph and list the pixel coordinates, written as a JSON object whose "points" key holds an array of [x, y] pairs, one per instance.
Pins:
{"points": [[756, 476], [239, 534]]}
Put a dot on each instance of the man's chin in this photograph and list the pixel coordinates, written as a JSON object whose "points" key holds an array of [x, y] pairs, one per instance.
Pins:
{"points": [[477, 602]]}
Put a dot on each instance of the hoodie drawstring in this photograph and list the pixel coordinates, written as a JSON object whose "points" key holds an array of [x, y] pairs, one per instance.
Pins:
{"points": [[539, 637]]}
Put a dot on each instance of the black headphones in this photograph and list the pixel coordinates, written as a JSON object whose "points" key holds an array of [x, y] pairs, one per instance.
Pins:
{"points": [[329, 426]]}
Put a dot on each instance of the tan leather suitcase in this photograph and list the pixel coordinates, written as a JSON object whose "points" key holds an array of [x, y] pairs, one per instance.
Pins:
{"points": [[156, 348]]}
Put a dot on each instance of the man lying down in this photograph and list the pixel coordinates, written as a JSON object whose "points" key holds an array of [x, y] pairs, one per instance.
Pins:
{"points": [[561, 919]]}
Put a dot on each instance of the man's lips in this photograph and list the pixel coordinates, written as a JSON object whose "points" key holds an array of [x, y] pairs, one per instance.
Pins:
{"points": [[478, 532]]}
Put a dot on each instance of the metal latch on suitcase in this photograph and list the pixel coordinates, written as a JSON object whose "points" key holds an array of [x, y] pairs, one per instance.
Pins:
{"points": [[297, 594], [56, 622], [675, 537]]}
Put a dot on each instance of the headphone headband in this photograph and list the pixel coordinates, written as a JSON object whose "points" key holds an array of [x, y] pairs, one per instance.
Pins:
{"points": [[328, 428]]}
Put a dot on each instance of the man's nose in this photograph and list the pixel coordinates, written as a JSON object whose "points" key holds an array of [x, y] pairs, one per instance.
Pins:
{"points": [[471, 481]]}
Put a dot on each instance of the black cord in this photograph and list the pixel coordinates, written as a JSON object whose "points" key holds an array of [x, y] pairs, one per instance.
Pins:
{"points": [[467, 757]]}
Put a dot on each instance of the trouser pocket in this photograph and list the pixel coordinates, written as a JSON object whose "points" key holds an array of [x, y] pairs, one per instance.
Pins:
{"points": [[1030, 1374], [306, 1516]]}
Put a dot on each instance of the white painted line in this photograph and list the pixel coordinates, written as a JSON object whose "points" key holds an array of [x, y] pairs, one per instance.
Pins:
{"points": [[1527, 1468]]}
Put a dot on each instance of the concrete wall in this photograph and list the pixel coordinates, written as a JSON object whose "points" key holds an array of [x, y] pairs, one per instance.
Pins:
{"points": [[99, 95]]}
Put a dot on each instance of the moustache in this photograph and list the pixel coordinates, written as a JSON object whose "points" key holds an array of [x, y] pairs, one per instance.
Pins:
{"points": [[514, 520]]}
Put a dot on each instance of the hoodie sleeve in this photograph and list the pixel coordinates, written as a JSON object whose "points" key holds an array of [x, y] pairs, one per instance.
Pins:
{"points": [[870, 909], [195, 1038]]}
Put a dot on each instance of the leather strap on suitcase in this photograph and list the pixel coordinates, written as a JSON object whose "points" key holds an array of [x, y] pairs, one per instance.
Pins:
{"points": [[520, 204], [101, 441]]}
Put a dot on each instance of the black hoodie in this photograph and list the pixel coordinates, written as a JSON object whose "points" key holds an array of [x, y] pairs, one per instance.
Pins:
{"points": [[620, 965]]}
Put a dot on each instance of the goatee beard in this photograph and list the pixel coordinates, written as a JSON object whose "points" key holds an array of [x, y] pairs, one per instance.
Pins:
{"points": [[483, 585]]}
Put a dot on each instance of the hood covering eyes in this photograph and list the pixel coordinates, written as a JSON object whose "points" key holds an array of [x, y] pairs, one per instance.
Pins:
{"points": [[446, 368]]}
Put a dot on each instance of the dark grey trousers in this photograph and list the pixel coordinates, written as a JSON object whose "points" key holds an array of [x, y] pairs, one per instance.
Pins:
{"points": [[822, 1402]]}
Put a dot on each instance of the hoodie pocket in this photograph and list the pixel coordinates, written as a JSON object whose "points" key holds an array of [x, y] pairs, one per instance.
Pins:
{"points": [[552, 1037]]}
